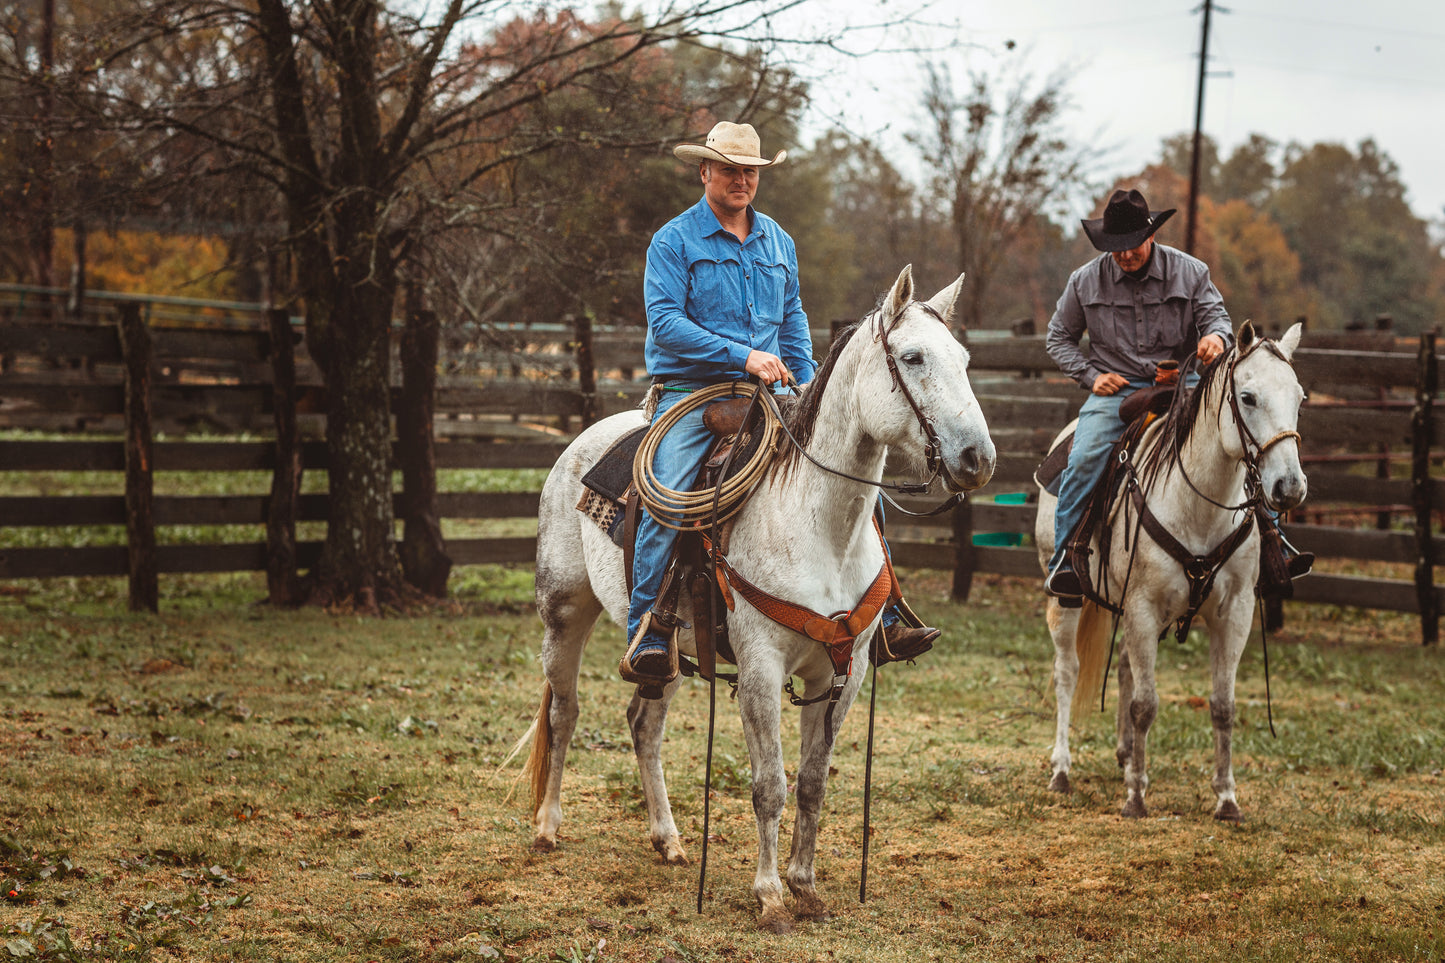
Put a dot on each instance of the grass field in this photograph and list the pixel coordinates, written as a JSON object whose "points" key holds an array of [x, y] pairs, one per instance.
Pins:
{"points": [[228, 782]]}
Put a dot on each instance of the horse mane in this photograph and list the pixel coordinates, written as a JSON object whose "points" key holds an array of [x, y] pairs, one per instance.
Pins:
{"points": [[1178, 424], [802, 418]]}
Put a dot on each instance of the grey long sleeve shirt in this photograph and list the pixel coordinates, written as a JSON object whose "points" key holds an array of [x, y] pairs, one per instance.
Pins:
{"points": [[1133, 325]]}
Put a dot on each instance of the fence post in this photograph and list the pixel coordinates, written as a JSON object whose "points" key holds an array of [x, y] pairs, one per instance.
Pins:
{"points": [[1421, 430], [586, 367], [424, 560], [140, 524], [965, 555], [282, 584]]}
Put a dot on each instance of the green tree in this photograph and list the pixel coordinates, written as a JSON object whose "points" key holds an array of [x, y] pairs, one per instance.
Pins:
{"points": [[1360, 247]]}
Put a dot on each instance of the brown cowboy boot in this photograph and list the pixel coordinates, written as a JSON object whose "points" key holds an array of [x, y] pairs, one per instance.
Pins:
{"points": [[902, 643], [653, 667], [904, 640]]}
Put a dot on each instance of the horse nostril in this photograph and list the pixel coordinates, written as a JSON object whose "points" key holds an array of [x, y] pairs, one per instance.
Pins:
{"points": [[970, 460]]}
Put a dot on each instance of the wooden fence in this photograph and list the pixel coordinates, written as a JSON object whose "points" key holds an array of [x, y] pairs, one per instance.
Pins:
{"points": [[1371, 443]]}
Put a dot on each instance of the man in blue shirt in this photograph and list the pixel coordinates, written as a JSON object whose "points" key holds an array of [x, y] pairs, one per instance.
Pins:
{"points": [[722, 298]]}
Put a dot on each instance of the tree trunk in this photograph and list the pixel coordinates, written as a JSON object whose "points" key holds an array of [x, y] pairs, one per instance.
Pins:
{"points": [[359, 563]]}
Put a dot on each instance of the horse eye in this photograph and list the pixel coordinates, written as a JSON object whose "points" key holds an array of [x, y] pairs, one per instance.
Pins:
{"points": [[1247, 399], [913, 357]]}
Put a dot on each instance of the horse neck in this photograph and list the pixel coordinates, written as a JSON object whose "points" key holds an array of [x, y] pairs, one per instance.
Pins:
{"points": [[840, 506], [1214, 477]]}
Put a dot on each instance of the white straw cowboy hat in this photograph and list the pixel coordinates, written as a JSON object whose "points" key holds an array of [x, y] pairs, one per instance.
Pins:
{"points": [[730, 144]]}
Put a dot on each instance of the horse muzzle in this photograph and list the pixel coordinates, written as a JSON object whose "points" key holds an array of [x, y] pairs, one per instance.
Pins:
{"points": [[1287, 492], [971, 468]]}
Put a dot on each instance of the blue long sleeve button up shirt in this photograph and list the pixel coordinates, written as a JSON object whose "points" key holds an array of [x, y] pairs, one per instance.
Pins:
{"points": [[712, 300], [1133, 325]]}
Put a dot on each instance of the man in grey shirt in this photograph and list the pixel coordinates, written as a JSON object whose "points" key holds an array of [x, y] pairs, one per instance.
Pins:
{"points": [[1141, 303]]}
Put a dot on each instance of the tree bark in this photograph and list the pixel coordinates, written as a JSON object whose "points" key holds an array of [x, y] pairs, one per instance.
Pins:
{"points": [[359, 565]]}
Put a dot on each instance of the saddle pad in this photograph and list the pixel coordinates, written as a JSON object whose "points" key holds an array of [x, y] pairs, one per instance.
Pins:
{"points": [[1051, 469], [606, 513], [612, 474]]}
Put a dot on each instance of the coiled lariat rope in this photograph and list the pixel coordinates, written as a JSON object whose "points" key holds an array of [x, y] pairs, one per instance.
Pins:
{"points": [[683, 510]]}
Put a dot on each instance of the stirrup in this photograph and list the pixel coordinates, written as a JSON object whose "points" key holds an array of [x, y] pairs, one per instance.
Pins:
{"points": [[651, 684]]}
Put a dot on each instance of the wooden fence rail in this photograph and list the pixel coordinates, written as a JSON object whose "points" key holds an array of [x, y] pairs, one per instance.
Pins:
{"points": [[72, 377]]}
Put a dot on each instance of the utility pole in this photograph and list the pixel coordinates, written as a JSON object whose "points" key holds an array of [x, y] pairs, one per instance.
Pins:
{"points": [[1192, 215]]}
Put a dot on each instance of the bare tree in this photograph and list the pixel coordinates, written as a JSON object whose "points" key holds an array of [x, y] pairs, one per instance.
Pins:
{"points": [[1002, 165]]}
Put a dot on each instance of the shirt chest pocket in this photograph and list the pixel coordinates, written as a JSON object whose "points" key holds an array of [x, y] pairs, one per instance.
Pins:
{"points": [[769, 283], [1171, 322], [715, 290]]}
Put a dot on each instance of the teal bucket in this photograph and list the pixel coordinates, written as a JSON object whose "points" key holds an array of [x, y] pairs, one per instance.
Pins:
{"points": [[1003, 539]]}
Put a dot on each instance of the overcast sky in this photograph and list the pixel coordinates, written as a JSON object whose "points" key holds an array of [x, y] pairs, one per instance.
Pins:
{"points": [[1293, 70]]}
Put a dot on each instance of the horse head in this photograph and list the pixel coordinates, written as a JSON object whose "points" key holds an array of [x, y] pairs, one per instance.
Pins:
{"points": [[923, 406], [1264, 403]]}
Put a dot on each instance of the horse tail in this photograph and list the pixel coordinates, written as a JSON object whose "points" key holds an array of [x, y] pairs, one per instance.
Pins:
{"points": [[539, 760], [1091, 644]]}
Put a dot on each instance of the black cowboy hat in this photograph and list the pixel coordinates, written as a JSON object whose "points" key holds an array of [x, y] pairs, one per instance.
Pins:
{"points": [[1127, 221]]}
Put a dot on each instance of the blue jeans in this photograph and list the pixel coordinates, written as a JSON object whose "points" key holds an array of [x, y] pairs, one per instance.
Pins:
{"points": [[1099, 427], [676, 465]]}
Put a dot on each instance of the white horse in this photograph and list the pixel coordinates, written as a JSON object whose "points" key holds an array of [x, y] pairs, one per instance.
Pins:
{"points": [[1200, 475], [806, 536]]}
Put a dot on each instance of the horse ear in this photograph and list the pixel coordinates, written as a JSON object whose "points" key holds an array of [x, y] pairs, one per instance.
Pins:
{"points": [[1290, 341], [901, 294], [1245, 337], [943, 302]]}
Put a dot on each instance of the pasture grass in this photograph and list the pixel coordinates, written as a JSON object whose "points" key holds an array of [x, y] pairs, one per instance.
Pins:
{"points": [[225, 781]]}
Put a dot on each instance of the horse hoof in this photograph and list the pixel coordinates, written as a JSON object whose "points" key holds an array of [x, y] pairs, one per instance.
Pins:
{"points": [[1134, 809], [775, 923], [1228, 812], [543, 844], [1060, 783], [671, 851], [811, 908]]}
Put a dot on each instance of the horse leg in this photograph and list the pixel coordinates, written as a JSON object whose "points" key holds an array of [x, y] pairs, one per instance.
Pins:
{"points": [[568, 620], [813, 761], [1142, 707], [647, 718], [1123, 721], [761, 713], [1063, 625], [1226, 646]]}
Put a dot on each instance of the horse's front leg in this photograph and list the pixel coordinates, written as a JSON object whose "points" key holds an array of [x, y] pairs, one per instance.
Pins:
{"points": [[647, 718], [1063, 626], [820, 725], [1141, 649], [760, 708], [1227, 639]]}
